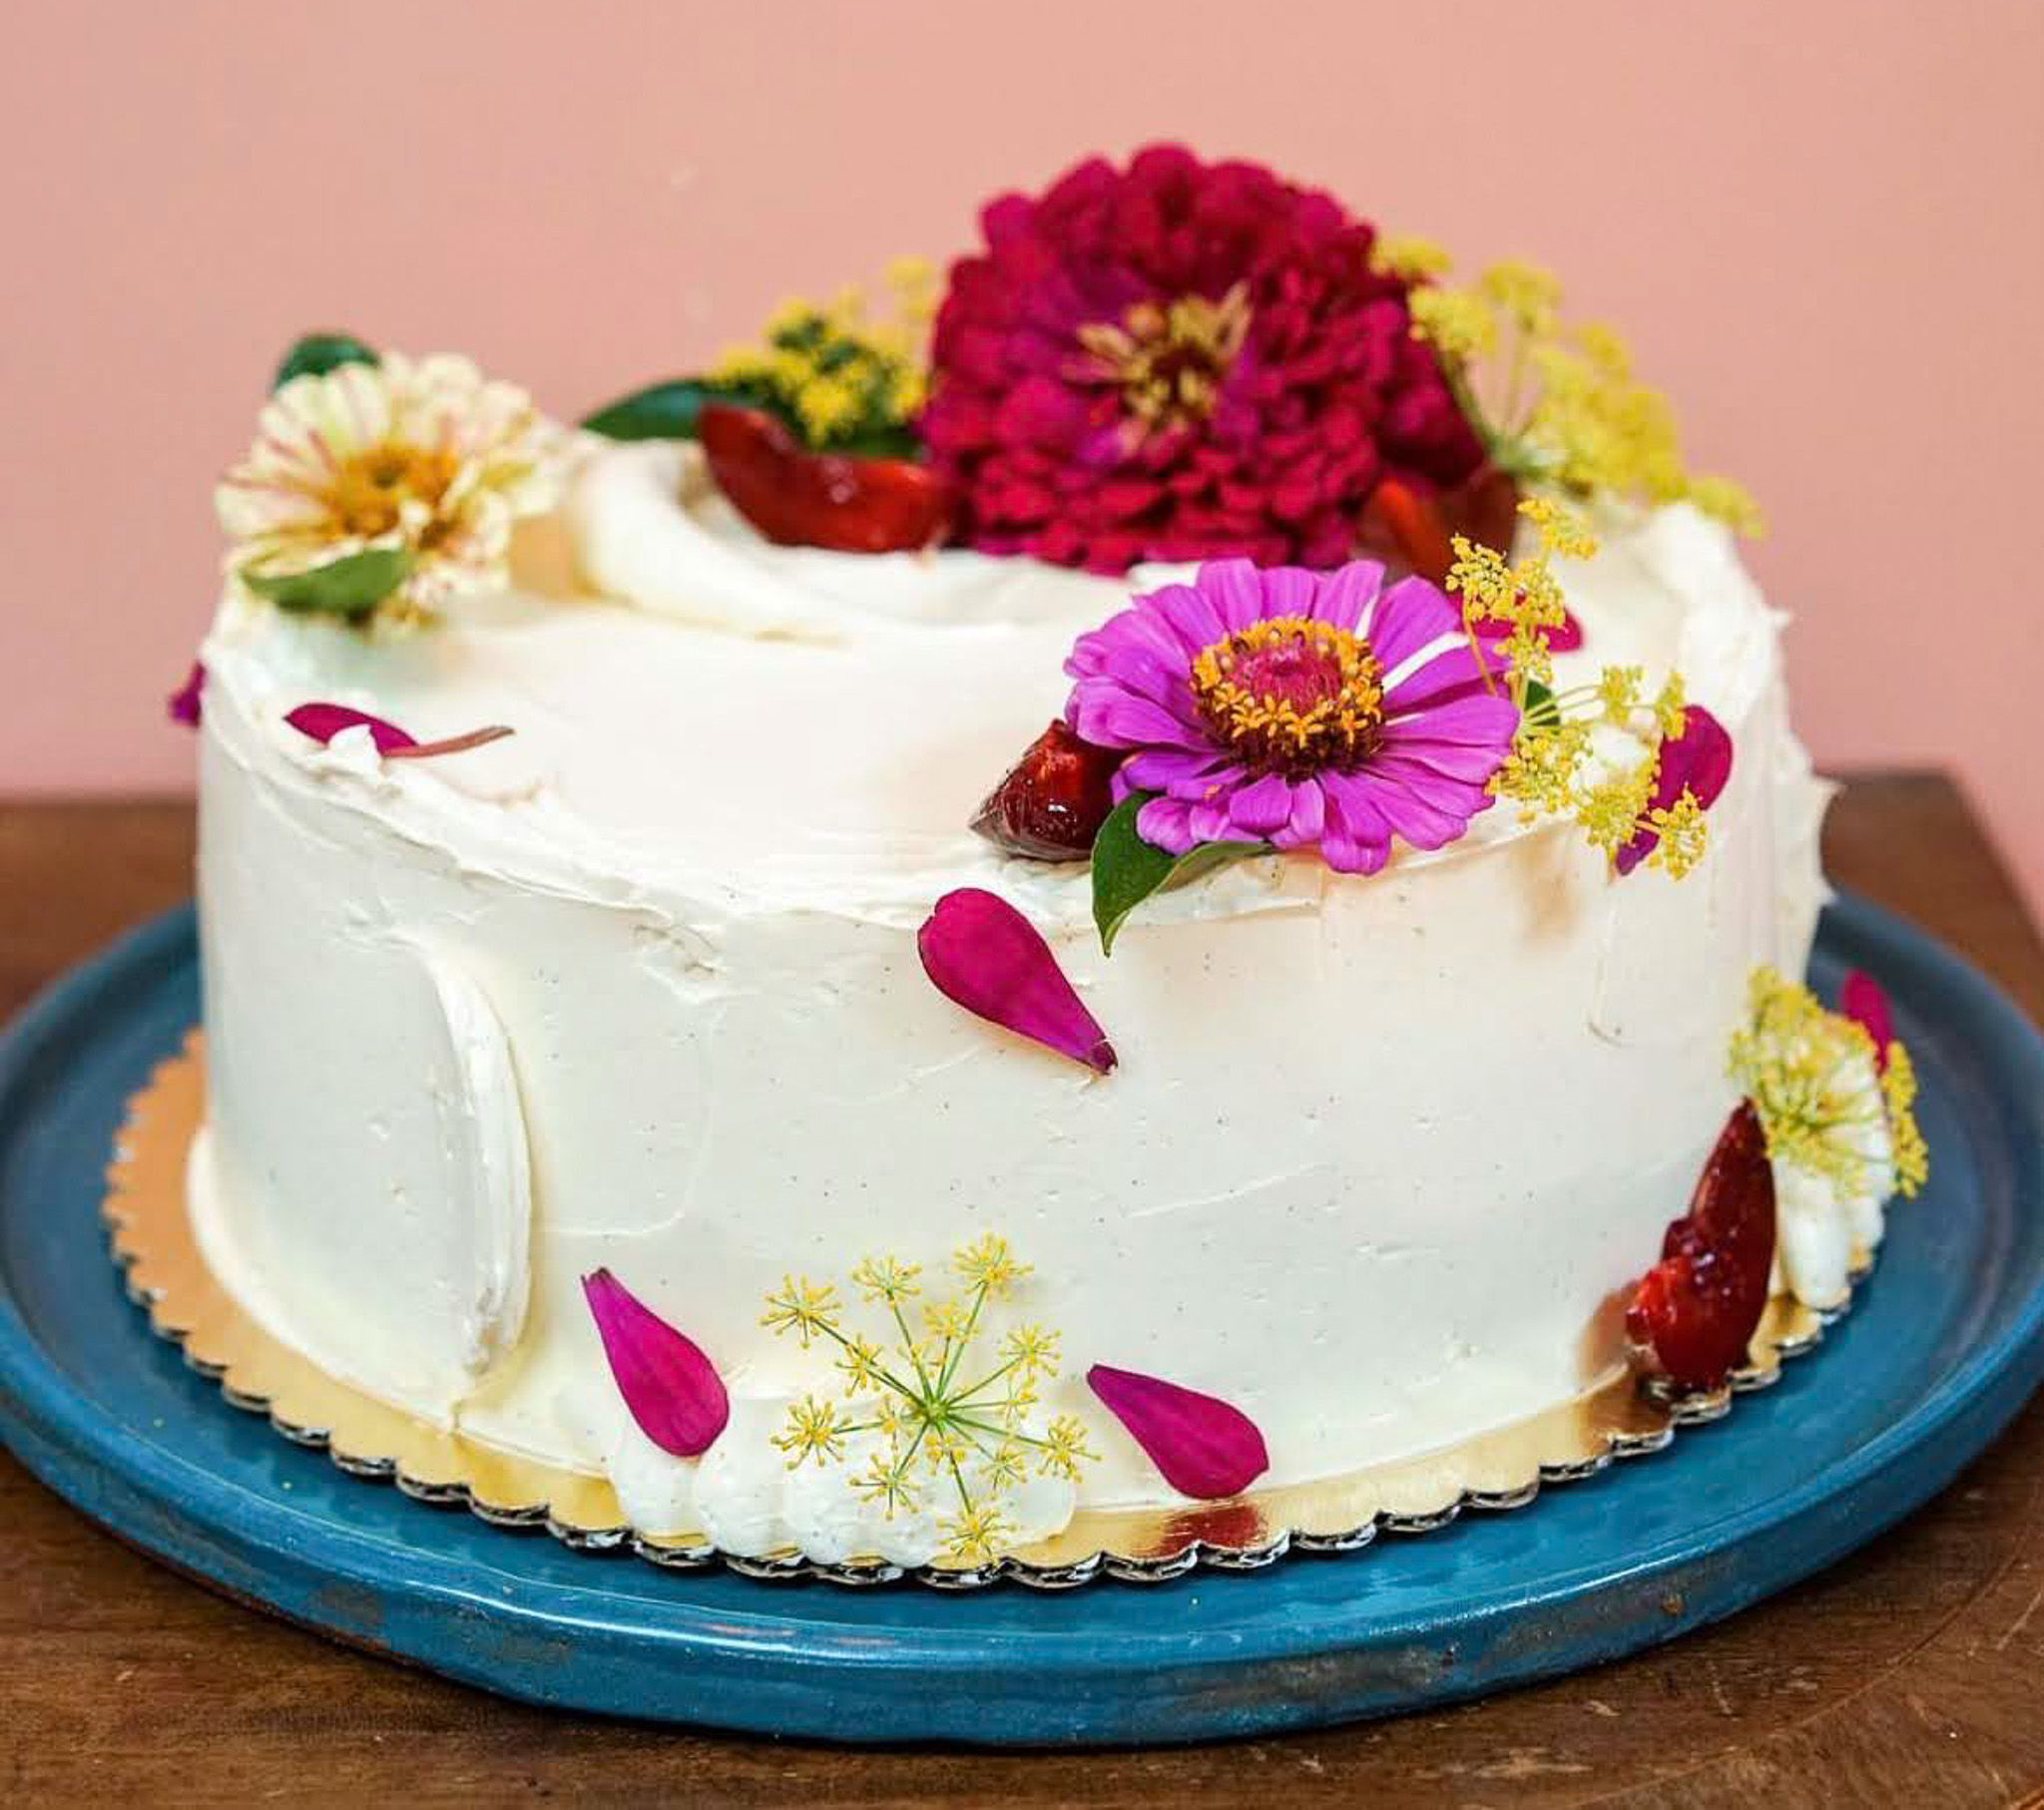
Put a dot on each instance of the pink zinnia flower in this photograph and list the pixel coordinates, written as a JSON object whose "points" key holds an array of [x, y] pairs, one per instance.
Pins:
{"points": [[1179, 360], [1295, 708]]}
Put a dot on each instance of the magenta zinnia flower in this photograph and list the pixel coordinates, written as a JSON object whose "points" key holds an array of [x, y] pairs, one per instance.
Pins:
{"points": [[1176, 361], [1295, 708]]}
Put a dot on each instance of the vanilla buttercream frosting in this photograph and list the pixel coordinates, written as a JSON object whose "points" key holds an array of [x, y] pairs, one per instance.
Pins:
{"points": [[637, 988]]}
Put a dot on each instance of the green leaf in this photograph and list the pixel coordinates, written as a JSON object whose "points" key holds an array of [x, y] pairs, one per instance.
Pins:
{"points": [[352, 586], [1127, 870], [668, 411], [318, 354], [1540, 706]]}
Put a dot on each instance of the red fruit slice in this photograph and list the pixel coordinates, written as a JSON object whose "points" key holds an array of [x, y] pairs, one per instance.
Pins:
{"points": [[1054, 799], [804, 499], [1410, 528], [1694, 1311]]}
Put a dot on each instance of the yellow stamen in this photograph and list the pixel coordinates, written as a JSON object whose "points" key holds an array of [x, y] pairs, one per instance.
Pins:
{"points": [[1169, 359], [1291, 695]]}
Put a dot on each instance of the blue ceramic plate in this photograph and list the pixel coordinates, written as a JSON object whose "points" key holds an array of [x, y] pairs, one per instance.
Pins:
{"points": [[1943, 1345]]}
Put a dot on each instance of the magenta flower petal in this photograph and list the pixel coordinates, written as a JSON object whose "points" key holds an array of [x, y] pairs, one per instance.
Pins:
{"points": [[671, 1388], [1698, 760], [184, 704], [1204, 1447], [1408, 617], [1866, 1005], [1564, 637], [324, 722], [983, 954]]}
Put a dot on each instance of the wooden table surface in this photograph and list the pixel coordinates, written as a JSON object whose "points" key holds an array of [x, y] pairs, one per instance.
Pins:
{"points": [[1911, 1674]]}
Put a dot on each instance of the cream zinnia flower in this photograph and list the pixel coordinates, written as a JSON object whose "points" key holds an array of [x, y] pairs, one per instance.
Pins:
{"points": [[428, 456]]}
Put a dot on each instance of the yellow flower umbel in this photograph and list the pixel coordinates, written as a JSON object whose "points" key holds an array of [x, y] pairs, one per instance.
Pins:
{"points": [[1556, 764], [944, 1420], [1821, 1089], [425, 463], [1556, 405], [846, 382]]}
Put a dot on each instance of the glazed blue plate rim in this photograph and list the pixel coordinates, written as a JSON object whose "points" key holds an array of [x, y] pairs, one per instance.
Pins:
{"points": [[62, 1437]]}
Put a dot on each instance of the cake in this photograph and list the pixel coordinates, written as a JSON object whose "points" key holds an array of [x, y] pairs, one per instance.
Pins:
{"points": [[759, 1083]]}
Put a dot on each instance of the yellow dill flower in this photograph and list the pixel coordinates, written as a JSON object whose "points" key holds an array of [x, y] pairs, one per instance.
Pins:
{"points": [[884, 1279], [792, 316], [1457, 323], [1605, 348], [1064, 1449], [908, 388], [1006, 1466], [1729, 502], [801, 1308], [860, 1363], [1618, 692], [813, 1430], [1669, 704], [1032, 1350], [1558, 406], [1609, 809], [1683, 837], [1523, 293], [975, 1535], [1564, 533], [741, 365], [944, 1449], [890, 1481], [991, 1266], [947, 1409], [824, 404], [1539, 773], [841, 380], [1810, 1073], [1407, 256], [1899, 1096]]}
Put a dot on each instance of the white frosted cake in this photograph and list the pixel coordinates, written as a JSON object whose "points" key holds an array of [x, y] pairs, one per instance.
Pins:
{"points": [[634, 998]]}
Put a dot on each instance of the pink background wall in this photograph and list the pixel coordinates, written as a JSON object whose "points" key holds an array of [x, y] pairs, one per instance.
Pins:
{"points": [[1819, 221]]}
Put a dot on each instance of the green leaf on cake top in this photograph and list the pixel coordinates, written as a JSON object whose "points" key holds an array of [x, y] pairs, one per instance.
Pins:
{"points": [[669, 410], [350, 587], [315, 354], [1127, 870]]}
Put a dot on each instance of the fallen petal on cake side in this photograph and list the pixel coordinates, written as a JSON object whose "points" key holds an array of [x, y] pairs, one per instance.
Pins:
{"points": [[671, 1390], [983, 954], [324, 722], [1204, 1447], [1862, 1000], [186, 703]]}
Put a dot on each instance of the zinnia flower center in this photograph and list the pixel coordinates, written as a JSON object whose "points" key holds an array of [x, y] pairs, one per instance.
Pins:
{"points": [[1291, 696], [370, 488], [1169, 358]]}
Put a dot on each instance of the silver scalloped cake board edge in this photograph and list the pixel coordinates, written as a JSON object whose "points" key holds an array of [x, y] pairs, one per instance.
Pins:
{"points": [[1503, 1468]]}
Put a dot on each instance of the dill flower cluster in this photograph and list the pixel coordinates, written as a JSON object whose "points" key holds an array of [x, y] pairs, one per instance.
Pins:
{"points": [[1555, 404], [938, 1414], [1829, 1101], [1646, 809], [849, 382]]}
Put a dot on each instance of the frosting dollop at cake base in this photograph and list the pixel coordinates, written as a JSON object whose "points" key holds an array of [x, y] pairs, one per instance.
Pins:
{"points": [[155, 1225]]}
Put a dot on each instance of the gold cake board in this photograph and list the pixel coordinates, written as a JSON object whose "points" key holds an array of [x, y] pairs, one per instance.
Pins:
{"points": [[153, 1240]]}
